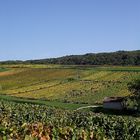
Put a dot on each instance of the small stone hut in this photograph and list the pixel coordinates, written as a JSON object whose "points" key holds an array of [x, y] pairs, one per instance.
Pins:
{"points": [[116, 103]]}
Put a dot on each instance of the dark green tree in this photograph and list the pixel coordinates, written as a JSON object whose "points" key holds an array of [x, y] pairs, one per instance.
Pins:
{"points": [[134, 87]]}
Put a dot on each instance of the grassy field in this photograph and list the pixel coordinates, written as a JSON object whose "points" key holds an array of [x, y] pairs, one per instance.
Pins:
{"points": [[56, 104], [72, 84], [3, 69]]}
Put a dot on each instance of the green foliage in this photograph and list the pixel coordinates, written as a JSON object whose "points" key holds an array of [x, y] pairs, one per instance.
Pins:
{"points": [[3, 69], [134, 87], [57, 104], [114, 58], [71, 79], [27, 121]]}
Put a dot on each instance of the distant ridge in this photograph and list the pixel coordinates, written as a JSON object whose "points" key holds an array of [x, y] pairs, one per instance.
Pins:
{"points": [[111, 58]]}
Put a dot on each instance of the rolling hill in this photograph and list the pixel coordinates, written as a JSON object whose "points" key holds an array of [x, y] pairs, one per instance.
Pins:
{"points": [[112, 58]]}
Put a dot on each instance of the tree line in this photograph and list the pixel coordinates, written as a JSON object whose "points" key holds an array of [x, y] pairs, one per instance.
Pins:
{"points": [[112, 58]]}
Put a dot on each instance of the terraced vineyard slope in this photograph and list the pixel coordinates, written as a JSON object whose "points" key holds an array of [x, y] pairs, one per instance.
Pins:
{"points": [[75, 84]]}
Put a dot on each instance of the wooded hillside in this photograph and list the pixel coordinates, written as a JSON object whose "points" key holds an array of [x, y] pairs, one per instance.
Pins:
{"points": [[113, 58]]}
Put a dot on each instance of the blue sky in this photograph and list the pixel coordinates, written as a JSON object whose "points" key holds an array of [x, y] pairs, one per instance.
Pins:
{"points": [[33, 29]]}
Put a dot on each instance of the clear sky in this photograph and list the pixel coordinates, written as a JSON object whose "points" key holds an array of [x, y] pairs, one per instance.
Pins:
{"points": [[33, 29]]}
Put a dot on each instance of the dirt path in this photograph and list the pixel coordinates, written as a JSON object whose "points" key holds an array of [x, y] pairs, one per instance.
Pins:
{"points": [[91, 106]]}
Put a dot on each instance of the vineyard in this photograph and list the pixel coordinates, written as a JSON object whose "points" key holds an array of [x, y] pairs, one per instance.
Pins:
{"points": [[39, 102], [72, 84], [35, 122]]}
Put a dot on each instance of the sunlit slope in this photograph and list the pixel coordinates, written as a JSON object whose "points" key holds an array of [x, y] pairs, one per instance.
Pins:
{"points": [[87, 85]]}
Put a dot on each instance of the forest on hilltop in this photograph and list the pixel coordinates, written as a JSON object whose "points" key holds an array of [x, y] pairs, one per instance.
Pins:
{"points": [[112, 58]]}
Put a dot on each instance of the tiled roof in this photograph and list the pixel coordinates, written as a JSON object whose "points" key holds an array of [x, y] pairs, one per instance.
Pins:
{"points": [[113, 99]]}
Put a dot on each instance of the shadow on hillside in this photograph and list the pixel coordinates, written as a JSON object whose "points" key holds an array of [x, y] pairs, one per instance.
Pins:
{"points": [[124, 112]]}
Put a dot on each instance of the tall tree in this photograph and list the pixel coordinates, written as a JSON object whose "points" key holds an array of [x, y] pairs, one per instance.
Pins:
{"points": [[134, 87]]}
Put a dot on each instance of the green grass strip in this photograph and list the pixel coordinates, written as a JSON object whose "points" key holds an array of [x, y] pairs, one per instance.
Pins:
{"points": [[57, 104]]}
